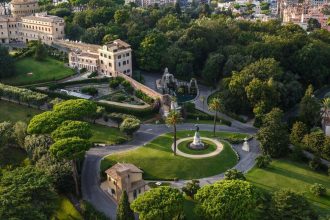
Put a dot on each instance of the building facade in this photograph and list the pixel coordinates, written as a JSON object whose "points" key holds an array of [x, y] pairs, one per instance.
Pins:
{"points": [[125, 177], [108, 60], [24, 24]]}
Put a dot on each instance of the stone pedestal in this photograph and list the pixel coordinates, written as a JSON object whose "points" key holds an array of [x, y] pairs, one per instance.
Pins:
{"points": [[197, 143]]}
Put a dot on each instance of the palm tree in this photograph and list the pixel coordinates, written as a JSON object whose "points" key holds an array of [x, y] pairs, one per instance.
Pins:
{"points": [[174, 118], [326, 108], [215, 106]]}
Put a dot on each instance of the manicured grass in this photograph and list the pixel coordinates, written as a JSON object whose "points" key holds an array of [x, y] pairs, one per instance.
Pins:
{"points": [[66, 210], [14, 112], [209, 147], [158, 162], [296, 176], [107, 135], [43, 71]]}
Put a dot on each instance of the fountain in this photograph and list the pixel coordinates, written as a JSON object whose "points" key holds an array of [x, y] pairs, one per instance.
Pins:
{"points": [[246, 146], [197, 143]]}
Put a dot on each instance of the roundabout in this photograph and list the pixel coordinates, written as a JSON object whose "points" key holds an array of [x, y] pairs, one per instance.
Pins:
{"points": [[184, 151]]}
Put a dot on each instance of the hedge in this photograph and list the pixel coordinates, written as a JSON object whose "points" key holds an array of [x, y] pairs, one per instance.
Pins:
{"points": [[207, 117], [83, 81]]}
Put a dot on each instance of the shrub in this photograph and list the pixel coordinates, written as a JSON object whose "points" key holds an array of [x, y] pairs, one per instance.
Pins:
{"points": [[144, 97], [114, 83], [90, 91], [93, 74], [130, 125], [234, 174], [297, 154], [315, 163], [263, 161], [90, 212], [120, 117], [318, 189], [191, 188], [83, 70], [127, 86]]}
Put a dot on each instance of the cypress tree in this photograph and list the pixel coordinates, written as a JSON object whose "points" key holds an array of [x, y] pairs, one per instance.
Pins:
{"points": [[124, 211]]}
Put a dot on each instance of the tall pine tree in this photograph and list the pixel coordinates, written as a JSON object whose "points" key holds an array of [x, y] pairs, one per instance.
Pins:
{"points": [[124, 211]]}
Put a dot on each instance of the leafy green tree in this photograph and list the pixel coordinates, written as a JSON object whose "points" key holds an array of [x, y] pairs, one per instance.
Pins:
{"points": [[75, 109], [124, 211], [19, 132], [234, 174], [227, 199], [6, 132], [26, 193], [7, 67], [37, 145], [191, 188], [309, 108], [215, 105], [45, 123], [71, 149], [313, 24], [100, 111], [121, 16], [263, 161], [168, 23], [130, 125], [287, 204], [72, 129], [273, 135], [40, 51], [159, 203], [314, 142], [298, 131], [213, 68], [173, 118], [318, 189], [151, 51]]}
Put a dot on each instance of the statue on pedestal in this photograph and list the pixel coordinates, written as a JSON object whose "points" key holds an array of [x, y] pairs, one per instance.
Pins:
{"points": [[246, 146], [197, 142]]}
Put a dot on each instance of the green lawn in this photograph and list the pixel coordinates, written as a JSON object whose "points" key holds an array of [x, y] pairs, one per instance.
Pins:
{"points": [[42, 71], [107, 135], [14, 112], [158, 162], [296, 176], [66, 210], [209, 147]]}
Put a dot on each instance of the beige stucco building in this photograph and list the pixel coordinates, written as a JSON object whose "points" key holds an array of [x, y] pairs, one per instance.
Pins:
{"points": [[125, 177], [24, 24], [108, 59], [21, 8]]}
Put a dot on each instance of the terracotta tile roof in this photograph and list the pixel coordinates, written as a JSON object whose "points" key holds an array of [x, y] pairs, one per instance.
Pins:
{"points": [[118, 168]]}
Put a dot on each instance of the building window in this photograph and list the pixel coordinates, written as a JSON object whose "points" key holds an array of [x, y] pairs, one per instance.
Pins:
{"points": [[124, 62], [127, 54], [134, 194], [101, 61], [119, 64], [113, 191], [119, 56], [110, 65]]}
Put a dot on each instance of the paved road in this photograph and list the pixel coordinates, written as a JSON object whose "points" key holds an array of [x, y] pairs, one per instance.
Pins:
{"points": [[90, 174]]}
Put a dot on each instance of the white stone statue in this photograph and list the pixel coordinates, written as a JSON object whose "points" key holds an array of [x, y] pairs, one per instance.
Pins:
{"points": [[246, 146], [197, 142]]}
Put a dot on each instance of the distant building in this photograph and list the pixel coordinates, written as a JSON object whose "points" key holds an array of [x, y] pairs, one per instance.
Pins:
{"points": [[146, 3], [108, 59], [24, 24], [125, 176]]}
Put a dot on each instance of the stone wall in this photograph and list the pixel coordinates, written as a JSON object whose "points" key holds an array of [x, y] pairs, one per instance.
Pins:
{"points": [[139, 86]]}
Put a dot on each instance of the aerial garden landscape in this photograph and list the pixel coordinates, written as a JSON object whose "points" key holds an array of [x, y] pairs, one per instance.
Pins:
{"points": [[235, 126]]}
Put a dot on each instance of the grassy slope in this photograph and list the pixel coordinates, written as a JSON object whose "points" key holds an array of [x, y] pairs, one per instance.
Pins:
{"points": [[157, 160], [43, 71], [66, 210], [14, 112], [107, 135], [101, 134], [296, 176]]}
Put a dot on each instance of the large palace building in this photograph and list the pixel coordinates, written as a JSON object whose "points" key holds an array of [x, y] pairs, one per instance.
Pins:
{"points": [[108, 59], [25, 24]]}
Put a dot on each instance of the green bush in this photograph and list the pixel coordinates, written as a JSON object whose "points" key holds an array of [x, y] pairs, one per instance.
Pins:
{"points": [[93, 74], [318, 189], [90, 91], [83, 70], [234, 174], [130, 125], [90, 213], [263, 161], [119, 117], [144, 97], [315, 163]]}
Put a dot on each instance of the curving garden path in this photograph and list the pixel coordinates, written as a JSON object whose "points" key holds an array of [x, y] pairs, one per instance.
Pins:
{"points": [[92, 191]]}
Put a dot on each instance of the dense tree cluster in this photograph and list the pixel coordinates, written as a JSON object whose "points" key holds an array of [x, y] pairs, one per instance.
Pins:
{"points": [[6, 63], [22, 95]]}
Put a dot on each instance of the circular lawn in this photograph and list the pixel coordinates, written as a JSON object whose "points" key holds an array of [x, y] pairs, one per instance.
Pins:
{"points": [[157, 161]]}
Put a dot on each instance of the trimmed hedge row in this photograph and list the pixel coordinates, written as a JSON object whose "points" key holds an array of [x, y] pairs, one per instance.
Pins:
{"points": [[136, 112], [83, 81]]}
